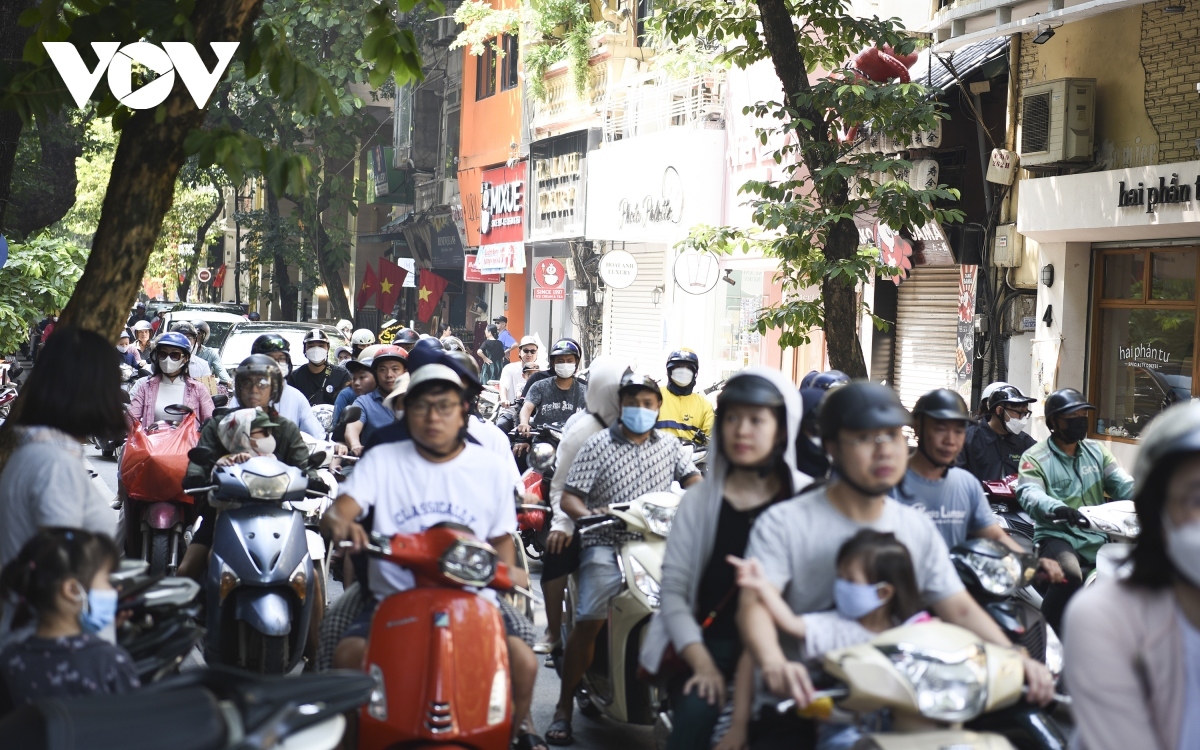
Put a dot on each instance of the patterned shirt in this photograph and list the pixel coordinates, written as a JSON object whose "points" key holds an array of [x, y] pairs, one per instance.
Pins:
{"points": [[65, 667], [612, 469]]}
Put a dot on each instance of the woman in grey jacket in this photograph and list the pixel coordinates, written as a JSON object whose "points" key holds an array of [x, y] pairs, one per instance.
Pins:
{"points": [[751, 466]]}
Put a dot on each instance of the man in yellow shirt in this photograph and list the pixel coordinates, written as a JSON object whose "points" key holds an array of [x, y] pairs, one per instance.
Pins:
{"points": [[684, 414]]}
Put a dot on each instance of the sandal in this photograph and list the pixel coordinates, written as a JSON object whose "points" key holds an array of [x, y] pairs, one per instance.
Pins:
{"points": [[529, 741], [546, 647], [560, 733]]}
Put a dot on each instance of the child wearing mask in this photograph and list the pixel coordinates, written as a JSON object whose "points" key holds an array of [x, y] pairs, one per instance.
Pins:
{"points": [[876, 589], [60, 581]]}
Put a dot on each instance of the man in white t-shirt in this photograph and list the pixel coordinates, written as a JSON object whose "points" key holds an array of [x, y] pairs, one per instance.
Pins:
{"points": [[436, 477], [862, 427], [512, 379]]}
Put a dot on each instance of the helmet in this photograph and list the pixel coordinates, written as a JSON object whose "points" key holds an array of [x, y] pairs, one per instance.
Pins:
{"points": [[435, 372], [1173, 432], [1065, 400], [810, 400], [942, 404], [362, 337], [406, 337], [861, 405], [1007, 394], [434, 341], [467, 363], [454, 344], [635, 381], [389, 353], [683, 358], [316, 335], [186, 328], [338, 352], [143, 325], [270, 342], [829, 379], [567, 346], [259, 366], [140, 305], [345, 326], [365, 358], [202, 330], [752, 390], [175, 339], [988, 390], [125, 334], [254, 316]]}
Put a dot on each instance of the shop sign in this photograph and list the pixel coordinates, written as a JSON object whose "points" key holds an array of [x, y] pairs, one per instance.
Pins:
{"points": [[1140, 355], [472, 273], [502, 205], [665, 208], [385, 183], [557, 182], [964, 354], [697, 272], [505, 257], [932, 248], [447, 250], [618, 269], [549, 275], [1151, 197]]}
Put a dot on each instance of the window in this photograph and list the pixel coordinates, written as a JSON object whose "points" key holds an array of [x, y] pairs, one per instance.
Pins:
{"points": [[485, 73], [1144, 336], [508, 73]]}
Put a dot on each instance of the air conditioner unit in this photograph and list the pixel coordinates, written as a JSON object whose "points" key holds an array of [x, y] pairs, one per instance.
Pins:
{"points": [[1058, 122]]}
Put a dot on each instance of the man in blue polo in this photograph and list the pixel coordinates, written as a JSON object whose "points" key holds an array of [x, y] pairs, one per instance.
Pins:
{"points": [[388, 365]]}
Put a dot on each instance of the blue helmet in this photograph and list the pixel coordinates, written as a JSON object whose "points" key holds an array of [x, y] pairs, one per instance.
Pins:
{"points": [[175, 339], [683, 358], [828, 380]]}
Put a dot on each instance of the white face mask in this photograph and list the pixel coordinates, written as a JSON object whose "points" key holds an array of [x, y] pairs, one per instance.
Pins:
{"points": [[316, 354], [1016, 426], [283, 368], [682, 376], [263, 446], [1183, 549], [122, 348], [564, 370], [170, 366]]}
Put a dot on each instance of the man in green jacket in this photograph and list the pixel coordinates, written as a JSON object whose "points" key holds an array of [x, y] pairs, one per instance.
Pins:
{"points": [[1057, 477]]}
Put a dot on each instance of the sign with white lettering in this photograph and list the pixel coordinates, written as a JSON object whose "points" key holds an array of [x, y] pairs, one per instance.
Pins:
{"points": [[556, 200], [549, 275], [618, 269], [118, 61]]}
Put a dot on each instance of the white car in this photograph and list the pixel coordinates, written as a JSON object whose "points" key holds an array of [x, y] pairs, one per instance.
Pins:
{"points": [[219, 323], [241, 338]]}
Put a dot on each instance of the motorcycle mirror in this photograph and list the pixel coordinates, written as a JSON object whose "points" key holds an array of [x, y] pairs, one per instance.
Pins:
{"points": [[351, 414], [200, 455], [177, 410], [220, 400], [316, 459]]}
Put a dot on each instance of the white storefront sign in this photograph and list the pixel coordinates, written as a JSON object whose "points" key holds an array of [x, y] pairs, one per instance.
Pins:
{"points": [[655, 188], [697, 272], [618, 269]]}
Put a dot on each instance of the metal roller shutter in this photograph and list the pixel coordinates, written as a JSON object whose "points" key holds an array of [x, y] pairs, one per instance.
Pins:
{"points": [[926, 332], [634, 327]]}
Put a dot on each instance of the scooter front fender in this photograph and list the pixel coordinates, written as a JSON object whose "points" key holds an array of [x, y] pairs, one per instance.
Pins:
{"points": [[162, 516], [265, 610]]}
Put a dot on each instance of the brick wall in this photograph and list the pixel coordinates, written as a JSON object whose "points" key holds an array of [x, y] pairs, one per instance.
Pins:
{"points": [[1170, 52]]}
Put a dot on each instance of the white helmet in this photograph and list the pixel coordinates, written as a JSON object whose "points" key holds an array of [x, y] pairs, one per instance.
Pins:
{"points": [[362, 337], [345, 326]]}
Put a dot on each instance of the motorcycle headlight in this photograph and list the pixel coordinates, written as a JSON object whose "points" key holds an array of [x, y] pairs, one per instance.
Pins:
{"points": [[1131, 526], [541, 457], [1105, 525], [950, 687], [998, 575], [645, 582], [658, 518], [266, 488], [469, 563]]}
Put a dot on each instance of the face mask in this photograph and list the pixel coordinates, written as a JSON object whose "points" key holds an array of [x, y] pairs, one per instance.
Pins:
{"points": [[316, 355], [856, 600], [639, 421], [564, 370], [284, 369], [100, 610], [1183, 548], [263, 446], [1016, 426], [170, 366], [122, 348], [682, 377], [1075, 430]]}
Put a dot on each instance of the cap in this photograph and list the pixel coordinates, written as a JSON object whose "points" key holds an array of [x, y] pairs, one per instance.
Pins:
{"points": [[428, 373], [262, 421], [529, 341], [398, 392], [500, 319]]}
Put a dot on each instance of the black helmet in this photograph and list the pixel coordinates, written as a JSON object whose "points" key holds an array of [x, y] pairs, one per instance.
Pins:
{"points": [[1174, 432], [635, 381], [315, 335], [202, 329], [942, 404], [683, 358], [186, 328], [1065, 400], [567, 346], [828, 379], [254, 316], [259, 366], [861, 405], [468, 368], [1008, 394], [406, 337], [269, 342], [752, 390]]}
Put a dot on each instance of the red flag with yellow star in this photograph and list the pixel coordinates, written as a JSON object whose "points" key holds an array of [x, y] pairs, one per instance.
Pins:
{"points": [[429, 293], [370, 285], [391, 278]]}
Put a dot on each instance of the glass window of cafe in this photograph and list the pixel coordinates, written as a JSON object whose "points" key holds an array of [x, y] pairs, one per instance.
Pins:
{"points": [[1143, 336]]}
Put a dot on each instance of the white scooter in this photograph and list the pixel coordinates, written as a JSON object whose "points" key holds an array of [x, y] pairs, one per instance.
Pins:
{"points": [[1119, 522]]}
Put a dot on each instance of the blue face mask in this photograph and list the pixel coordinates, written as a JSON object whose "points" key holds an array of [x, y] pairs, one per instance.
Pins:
{"points": [[100, 612], [856, 600], [638, 420]]}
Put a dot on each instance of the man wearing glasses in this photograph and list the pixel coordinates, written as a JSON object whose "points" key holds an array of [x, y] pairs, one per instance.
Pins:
{"points": [[512, 379], [993, 448]]}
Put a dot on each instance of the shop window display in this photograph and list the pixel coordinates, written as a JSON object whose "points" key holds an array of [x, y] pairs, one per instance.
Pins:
{"points": [[1144, 336]]}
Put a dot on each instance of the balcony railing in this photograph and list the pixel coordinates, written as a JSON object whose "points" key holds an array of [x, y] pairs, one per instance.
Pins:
{"points": [[563, 108], [648, 104]]}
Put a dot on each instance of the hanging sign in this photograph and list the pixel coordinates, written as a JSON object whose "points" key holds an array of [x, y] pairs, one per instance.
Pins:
{"points": [[618, 269], [549, 275], [472, 273], [697, 272]]}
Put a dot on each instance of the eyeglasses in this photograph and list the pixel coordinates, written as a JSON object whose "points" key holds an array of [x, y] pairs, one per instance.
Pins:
{"points": [[174, 356], [422, 409], [1018, 413], [529, 351], [260, 382], [883, 438]]}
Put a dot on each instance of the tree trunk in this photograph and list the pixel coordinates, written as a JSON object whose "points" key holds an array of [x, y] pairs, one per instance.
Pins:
{"points": [[142, 185], [285, 291], [841, 305], [199, 250], [45, 191], [331, 277], [12, 45]]}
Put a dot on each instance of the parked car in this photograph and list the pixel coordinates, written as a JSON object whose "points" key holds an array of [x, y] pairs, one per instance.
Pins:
{"points": [[220, 322], [242, 336]]}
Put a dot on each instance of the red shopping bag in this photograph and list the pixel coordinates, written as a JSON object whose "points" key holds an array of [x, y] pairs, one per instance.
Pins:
{"points": [[153, 463]]}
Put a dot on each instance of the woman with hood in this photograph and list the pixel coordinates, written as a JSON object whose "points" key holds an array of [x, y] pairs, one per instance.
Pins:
{"points": [[751, 467], [562, 554]]}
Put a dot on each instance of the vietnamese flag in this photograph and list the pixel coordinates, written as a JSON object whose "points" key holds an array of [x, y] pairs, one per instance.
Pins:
{"points": [[370, 286], [219, 277], [391, 278], [429, 293]]}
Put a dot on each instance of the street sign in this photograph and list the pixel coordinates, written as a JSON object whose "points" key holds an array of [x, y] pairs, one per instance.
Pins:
{"points": [[549, 275], [204, 275], [697, 272], [618, 269]]}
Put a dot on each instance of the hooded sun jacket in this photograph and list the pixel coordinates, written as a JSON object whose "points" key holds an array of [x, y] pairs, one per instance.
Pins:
{"points": [[694, 533], [603, 408]]}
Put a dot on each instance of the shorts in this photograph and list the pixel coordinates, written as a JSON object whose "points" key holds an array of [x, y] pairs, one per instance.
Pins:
{"points": [[600, 579], [564, 563], [515, 624]]}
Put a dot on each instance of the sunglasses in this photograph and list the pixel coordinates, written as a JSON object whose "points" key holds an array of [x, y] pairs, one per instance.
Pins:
{"points": [[174, 356], [529, 351]]}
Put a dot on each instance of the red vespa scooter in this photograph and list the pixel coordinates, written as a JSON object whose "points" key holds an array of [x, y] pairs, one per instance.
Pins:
{"points": [[438, 652]]}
